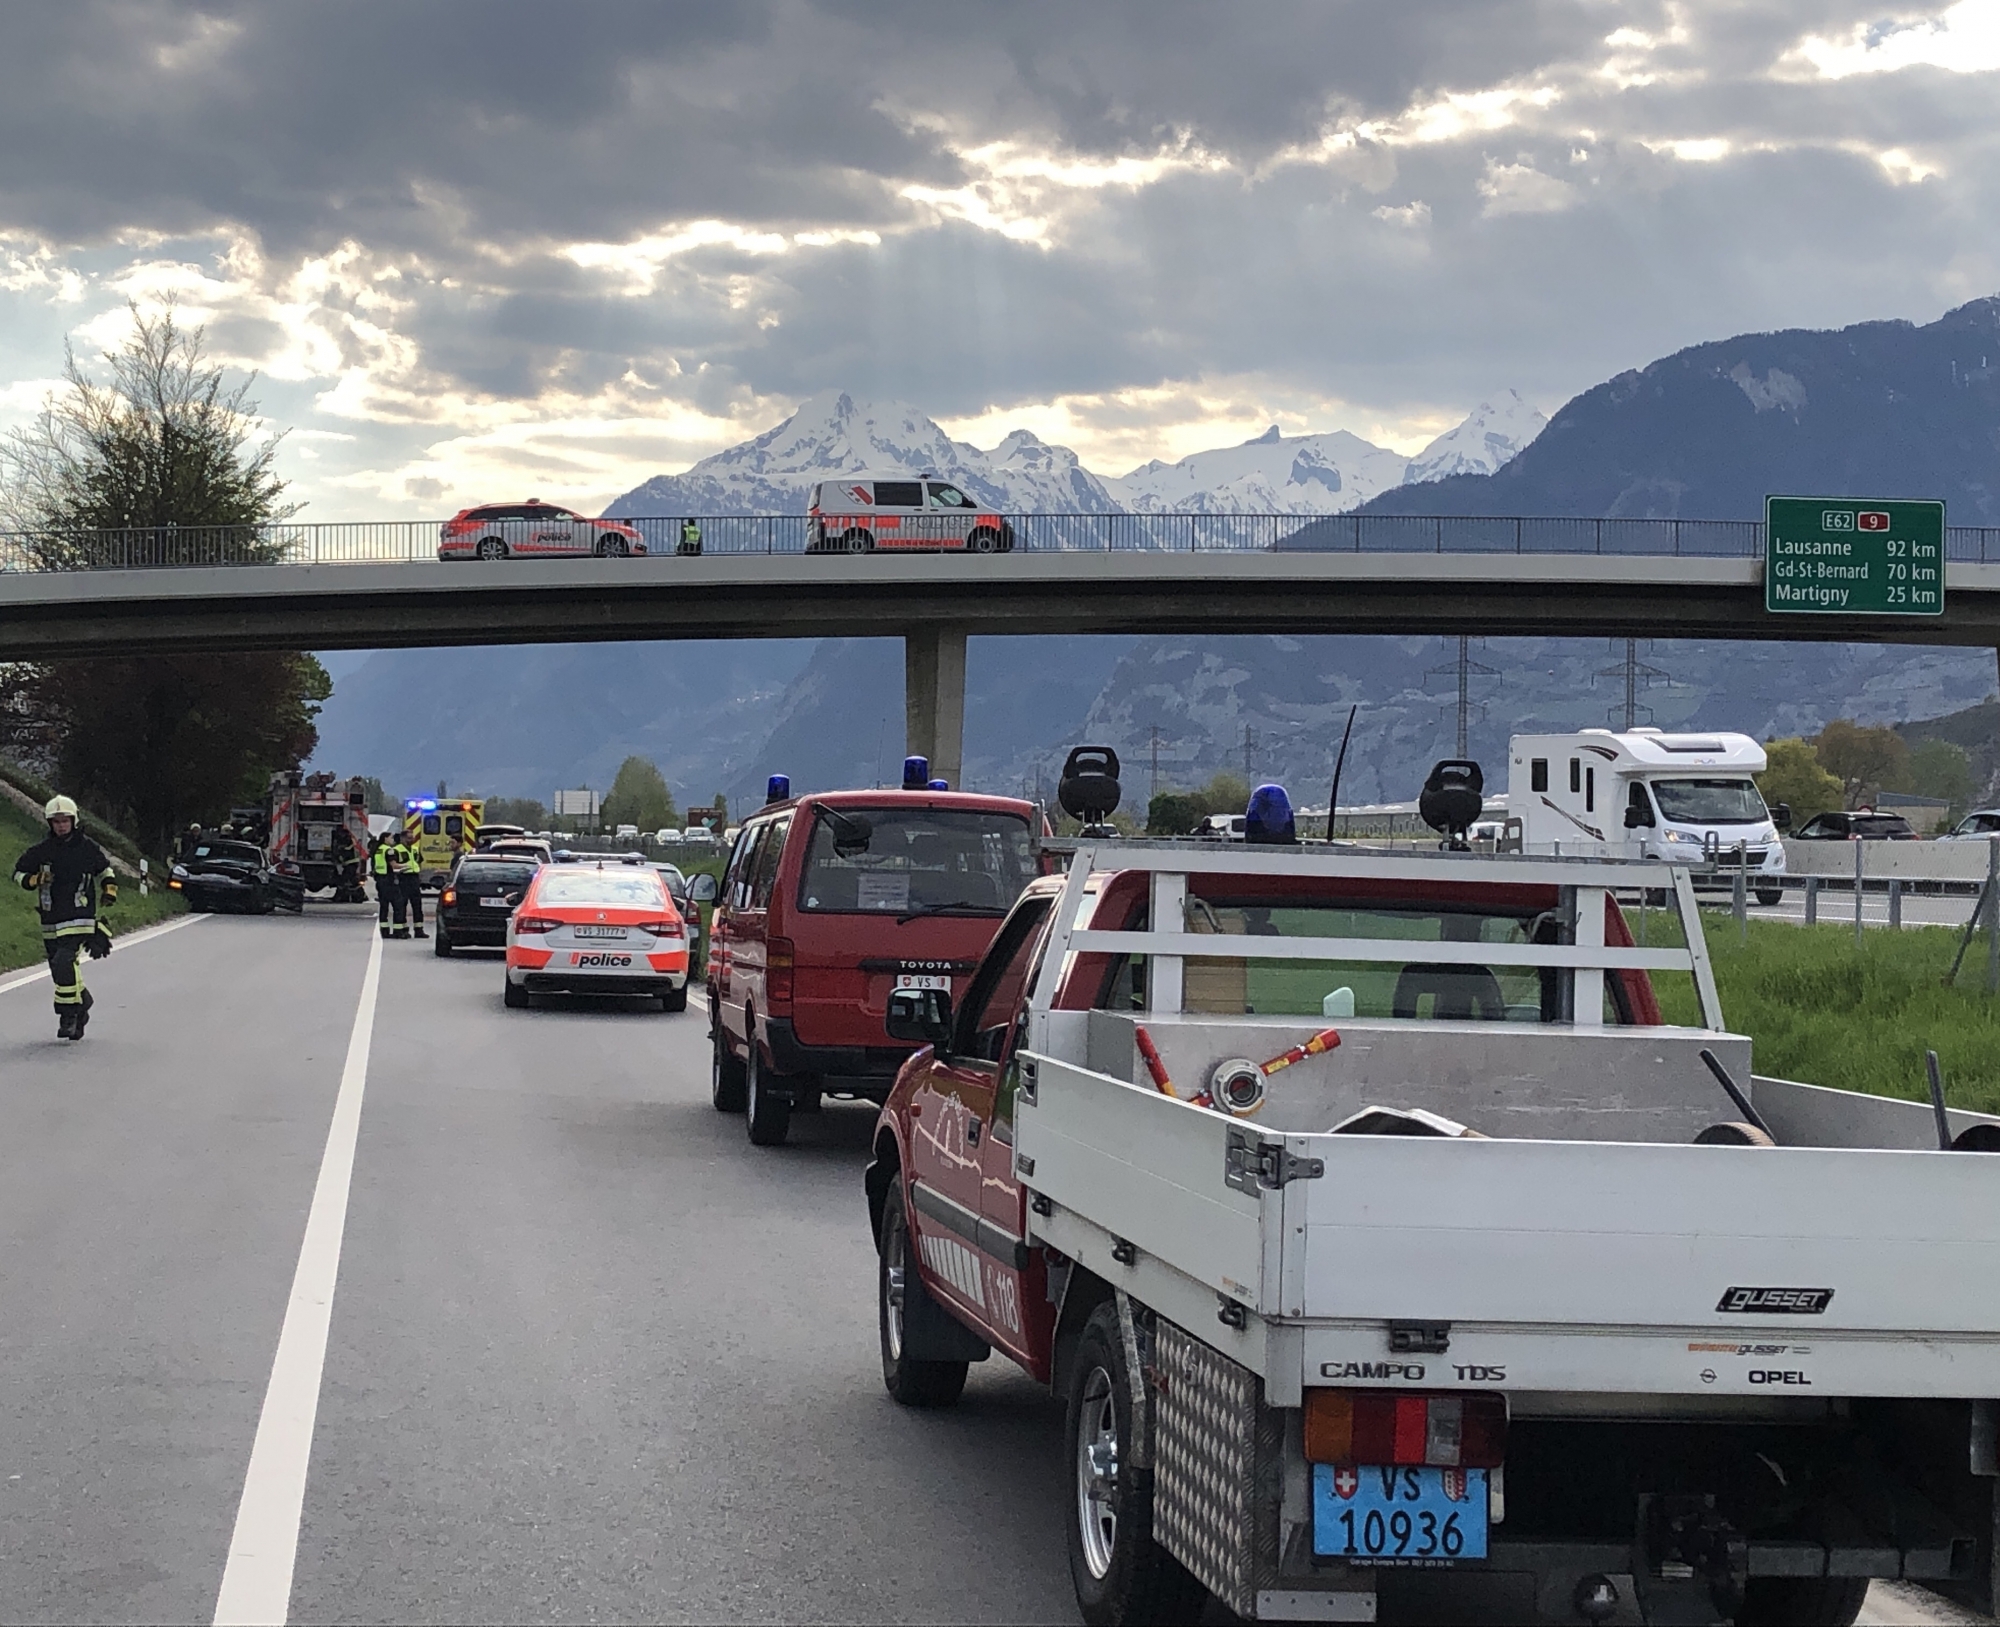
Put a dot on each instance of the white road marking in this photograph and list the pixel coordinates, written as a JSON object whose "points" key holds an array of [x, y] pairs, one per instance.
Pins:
{"points": [[257, 1581], [22, 979]]}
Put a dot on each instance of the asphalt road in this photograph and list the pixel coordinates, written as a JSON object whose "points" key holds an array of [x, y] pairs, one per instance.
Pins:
{"points": [[591, 1355]]}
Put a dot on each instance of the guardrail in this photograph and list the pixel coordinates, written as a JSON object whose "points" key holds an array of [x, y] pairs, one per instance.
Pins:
{"points": [[390, 541]]}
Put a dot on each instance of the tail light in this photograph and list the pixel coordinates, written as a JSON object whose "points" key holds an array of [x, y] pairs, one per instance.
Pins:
{"points": [[663, 929], [1390, 1426], [536, 923], [778, 975], [448, 896]]}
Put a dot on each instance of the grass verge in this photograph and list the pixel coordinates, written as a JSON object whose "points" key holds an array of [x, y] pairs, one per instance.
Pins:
{"points": [[21, 927], [1820, 1010]]}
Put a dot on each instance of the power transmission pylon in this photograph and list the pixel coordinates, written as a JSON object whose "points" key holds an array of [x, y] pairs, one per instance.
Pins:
{"points": [[1465, 669], [1154, 789], [1637, 676]]}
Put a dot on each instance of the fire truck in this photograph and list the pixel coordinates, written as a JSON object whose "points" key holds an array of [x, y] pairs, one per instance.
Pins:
{"points": [[304, 816]]}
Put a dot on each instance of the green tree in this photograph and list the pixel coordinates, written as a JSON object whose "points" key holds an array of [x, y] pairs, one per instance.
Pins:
{"points": [[1940, 769], [1226, 793], [523, 811], [639, 796], [379, 800], [164, 445], [1172, 813], [1864, 760], [1795, 778], [159, 463]]}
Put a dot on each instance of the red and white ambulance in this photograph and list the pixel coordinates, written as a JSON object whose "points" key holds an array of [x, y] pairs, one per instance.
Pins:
{"points": [[858, 514]]}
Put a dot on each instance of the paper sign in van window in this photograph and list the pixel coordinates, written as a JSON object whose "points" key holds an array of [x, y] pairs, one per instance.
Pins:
{"points": [[882, 890]]}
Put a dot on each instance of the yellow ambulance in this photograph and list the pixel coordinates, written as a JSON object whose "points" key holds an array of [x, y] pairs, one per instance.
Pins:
{"points": [[441, 828]]}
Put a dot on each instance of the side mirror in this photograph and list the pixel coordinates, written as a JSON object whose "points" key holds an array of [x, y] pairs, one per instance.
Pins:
{"points": [[1781, 815], [1638, 819], [921, 1016], [702, 889]]}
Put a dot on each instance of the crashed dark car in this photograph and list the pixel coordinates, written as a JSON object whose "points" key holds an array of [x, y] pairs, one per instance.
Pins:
{"points": [[237, 878], [478, 897]]}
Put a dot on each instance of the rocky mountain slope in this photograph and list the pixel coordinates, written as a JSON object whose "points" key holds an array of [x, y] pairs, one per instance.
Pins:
{"points": [[1880, 409]]}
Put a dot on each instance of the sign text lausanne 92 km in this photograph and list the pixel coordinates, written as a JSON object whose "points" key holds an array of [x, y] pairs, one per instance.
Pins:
{"points": [[1843, 556]]}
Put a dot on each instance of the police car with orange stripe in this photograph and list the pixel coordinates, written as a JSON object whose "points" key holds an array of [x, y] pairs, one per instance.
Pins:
{"points": [[861, 513]]}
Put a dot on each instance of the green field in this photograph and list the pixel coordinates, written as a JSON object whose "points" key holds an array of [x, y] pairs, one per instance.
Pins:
{"points": [[21, 929], [1819, 1010]]}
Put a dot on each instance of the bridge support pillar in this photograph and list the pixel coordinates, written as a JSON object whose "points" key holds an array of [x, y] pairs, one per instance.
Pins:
{"points": [[934, 699]]}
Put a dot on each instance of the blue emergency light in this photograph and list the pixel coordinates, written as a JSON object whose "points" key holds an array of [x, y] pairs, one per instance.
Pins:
{"points": [[1268, 818], [777, 788], [916, 773], [938, 785]]}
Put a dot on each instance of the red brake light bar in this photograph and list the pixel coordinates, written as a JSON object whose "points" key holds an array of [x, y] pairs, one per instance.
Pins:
{"points": [[536, 923], [1405, 1427]]}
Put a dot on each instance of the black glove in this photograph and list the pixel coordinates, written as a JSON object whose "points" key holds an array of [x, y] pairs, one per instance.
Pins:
{"points": [[98, 944]]}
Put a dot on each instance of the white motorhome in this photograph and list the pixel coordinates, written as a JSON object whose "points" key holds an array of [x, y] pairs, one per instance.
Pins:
{"points": [[1647, 794]]}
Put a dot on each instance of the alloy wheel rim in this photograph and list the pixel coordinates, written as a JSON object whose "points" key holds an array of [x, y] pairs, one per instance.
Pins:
{"points": [[895, 1276], [1097, 1473]]}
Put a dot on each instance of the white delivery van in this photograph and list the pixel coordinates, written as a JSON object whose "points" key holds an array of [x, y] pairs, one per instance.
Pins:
{"points": [[1647, 794], [860, 513]]}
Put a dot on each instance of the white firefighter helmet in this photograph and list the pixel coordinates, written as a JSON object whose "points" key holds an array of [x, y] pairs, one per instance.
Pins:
{"points": [[60, 808]]}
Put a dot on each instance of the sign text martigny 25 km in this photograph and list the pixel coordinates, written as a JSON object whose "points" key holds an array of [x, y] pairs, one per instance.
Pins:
{"points": [[1843, 556]]}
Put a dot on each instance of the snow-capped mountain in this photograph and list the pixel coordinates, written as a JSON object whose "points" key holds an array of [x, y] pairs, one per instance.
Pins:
{"points": [[1307, 474], [832, 434], [1490, 436]]}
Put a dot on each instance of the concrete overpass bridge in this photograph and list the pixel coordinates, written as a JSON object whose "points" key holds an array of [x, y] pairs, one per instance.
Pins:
{"points": [[935, 601]]}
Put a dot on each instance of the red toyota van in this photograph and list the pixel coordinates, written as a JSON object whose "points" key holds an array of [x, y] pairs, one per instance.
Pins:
{"points": [[830, 901]]}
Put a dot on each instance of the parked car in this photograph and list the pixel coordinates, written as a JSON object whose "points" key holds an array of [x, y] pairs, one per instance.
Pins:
{"points": [[667, 838], [237, 878], [829, 902], [1863, 825], [478, 897], [532, 530], [597, 929], [1976, 826], [861, 513]]}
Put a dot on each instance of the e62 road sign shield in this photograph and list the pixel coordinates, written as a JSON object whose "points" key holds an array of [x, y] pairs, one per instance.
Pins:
{"points": [[1843, 556]]}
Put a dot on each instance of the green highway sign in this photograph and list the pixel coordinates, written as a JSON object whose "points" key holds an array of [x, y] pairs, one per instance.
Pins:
{"points": [[1846, 556]]}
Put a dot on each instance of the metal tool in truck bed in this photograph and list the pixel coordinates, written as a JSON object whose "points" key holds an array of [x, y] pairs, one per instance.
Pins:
{"points": [[1497, 1294]]}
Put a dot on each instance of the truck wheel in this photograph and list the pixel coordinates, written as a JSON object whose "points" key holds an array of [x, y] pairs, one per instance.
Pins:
{"points": [[725, 1078], [766, 1117], [1122, 1576], [913, 1383], [1770, 895], [512, 995], [1809, 1601]]}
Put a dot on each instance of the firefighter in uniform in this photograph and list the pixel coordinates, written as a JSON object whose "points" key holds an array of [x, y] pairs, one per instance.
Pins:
{"points": [[68, 873], [387, 890]]}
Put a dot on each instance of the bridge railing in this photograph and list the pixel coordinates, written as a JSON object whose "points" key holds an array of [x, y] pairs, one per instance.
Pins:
{"points": [[392, 541]]}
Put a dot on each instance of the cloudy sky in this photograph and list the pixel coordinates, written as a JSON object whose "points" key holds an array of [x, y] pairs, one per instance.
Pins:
{"points": [[480, 248]]}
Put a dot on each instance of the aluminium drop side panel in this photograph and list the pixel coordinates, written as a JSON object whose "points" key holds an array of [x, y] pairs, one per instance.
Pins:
{"points": [[1147, 1170], [1602, 1267]]}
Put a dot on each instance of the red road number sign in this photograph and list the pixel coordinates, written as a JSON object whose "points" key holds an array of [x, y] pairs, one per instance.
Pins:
{"points": [[1871, 520]]}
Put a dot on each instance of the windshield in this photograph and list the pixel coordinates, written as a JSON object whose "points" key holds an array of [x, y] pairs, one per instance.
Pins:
{"points": [[230, 853], [1711, 802], [890, 861], [625, 889], [1417, 987]]}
